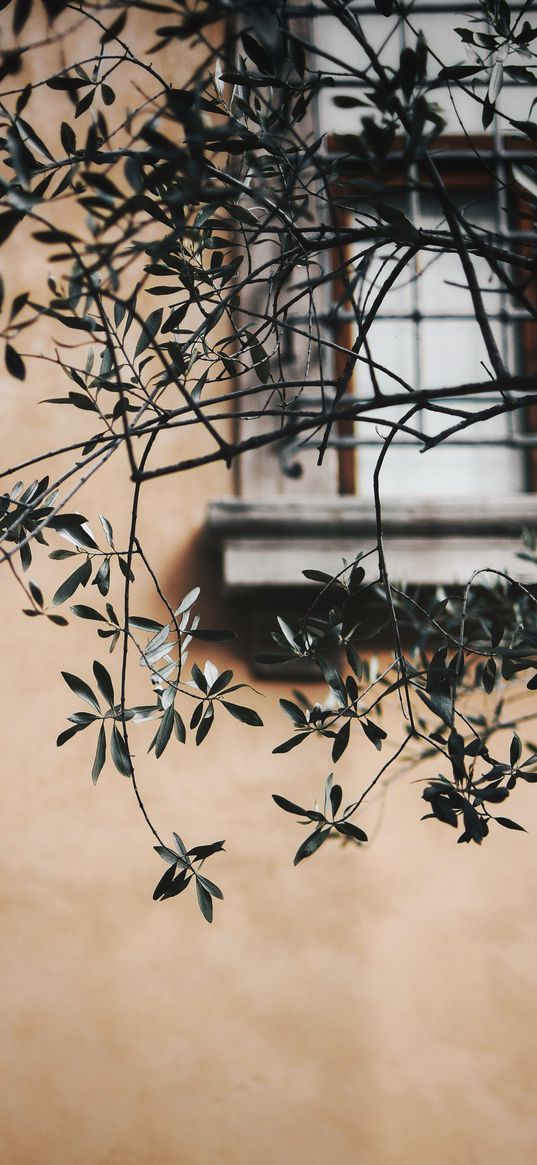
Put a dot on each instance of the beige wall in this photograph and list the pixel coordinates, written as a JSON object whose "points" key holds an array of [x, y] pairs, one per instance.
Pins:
{"points": [[371, 1008], [378, 1006]]}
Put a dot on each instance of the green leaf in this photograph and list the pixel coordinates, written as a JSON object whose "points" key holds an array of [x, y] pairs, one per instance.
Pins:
{"points": [[144, 624], [287, 745], [166, 854], [496, 629], [165, 883], [36, 593], [102, 578], [222, 682], [197, 714], [334, 680], [148, 332], [515, 751], [210, 887], [438, 703], [188, 601], [245, 715], [181, 847], [83, 718], [346, 102], [508, 824], [295, 713], [69, 732], [120, 755], [319, 576], [72, 527], [212, 635], [258, 54], [8, 222], [23, 9], [287, 632], [67, 138], [100, 755], [78, 578], [84, 612], [85, 103], [205, 724], [289, 806], [489, 675], [373, 732], [124, 568], [142, 712], [311, 844], [115, 28], [29, 137], [354, 660], [341, 741], [14, 363], [26, 557], [458, 72], [64, 82], [204, 899], [350, 830], [401, 229], [204, 851], [179, 727], [165, 731], [487, 115], [19, 302], [259, 358], [180, 883], [109, 533], [352, 689], [82, 689], [336, 795], [111, 614], [199, 678], [104, 682]]}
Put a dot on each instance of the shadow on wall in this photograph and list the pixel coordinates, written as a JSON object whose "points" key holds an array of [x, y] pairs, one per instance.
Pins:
{"points": [[198, 564]]}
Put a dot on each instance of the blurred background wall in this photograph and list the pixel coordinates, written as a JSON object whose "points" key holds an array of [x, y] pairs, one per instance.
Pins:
{"points": [[373, 1007]]}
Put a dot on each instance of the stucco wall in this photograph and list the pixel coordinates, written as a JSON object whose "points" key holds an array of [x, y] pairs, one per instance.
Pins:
{"points": [[378, 1005], [372, 1007]]}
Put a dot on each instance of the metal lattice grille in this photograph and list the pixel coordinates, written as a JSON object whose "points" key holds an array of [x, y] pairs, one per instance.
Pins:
{"points": [[425, 331]]}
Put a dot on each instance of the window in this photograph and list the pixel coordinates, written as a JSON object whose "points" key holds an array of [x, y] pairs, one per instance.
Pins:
{"points": [[426, 332], [462, 505]]}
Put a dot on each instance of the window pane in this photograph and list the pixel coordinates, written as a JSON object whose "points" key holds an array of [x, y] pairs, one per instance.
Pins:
{"points": [[428, 335]]}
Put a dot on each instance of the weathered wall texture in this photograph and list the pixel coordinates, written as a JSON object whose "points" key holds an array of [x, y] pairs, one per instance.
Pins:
{"points": [[371, 1008], [378, 1006]]}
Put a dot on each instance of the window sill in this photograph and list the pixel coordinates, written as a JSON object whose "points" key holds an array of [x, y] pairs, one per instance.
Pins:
{"points": [[269, 544]]}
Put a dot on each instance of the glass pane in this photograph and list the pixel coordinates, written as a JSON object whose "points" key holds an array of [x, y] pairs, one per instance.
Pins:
{"points": [[448, 470], [453, 352], [402, 466], [392, 345], [432, 352], [399, 300], [442, 287], [332, 38]]}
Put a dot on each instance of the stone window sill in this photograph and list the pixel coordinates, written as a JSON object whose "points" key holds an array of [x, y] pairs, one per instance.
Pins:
{"points": [[267, 544]]}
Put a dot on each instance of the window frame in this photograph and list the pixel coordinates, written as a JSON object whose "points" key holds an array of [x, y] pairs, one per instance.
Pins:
{"points": [[275, 525], [457, 172]]}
